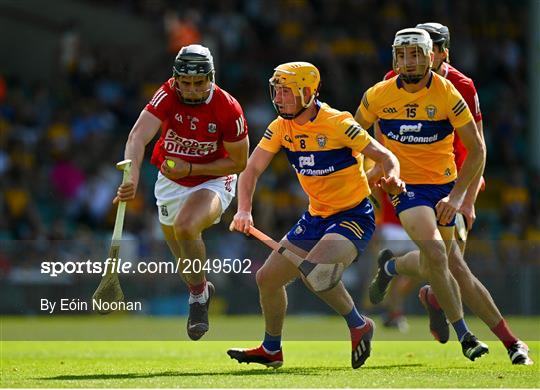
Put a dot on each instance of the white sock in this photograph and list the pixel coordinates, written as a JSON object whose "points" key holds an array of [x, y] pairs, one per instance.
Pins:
{"points": [[200, 298]]}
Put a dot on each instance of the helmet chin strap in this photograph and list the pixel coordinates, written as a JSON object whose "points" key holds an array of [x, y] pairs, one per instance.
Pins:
{"points": [[299, 112], [194, 101], [413, 79], [291, 116]]}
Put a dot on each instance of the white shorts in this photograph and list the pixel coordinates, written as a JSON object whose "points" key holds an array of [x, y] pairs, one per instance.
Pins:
{"points": [[170, 196], [395, 238]]}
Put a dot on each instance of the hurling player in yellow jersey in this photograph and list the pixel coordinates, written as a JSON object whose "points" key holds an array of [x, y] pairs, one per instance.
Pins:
{"points": [[320, 143], [417, 111]]}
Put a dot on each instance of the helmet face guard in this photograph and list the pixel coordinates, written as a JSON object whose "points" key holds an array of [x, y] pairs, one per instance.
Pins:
{"points": [[296, 77], [190, 63], [412, 54], [193, 89]]}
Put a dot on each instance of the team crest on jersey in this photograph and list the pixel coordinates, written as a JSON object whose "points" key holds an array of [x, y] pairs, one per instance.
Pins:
{"points": [[447, 172], [322, 140], [431, 110], [212, 128], [299, 230]]}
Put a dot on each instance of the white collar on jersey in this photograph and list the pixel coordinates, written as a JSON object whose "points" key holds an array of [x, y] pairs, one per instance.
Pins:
{"points": [[210, 95]]}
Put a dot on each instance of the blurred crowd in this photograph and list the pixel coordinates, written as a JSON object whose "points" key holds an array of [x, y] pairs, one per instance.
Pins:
{"points": [[60, 139]]}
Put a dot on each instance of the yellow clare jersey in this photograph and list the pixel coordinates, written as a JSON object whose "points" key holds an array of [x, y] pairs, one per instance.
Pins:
{"points": [[321, 152], [419, 127]]}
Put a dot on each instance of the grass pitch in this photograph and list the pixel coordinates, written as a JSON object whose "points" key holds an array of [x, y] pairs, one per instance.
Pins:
{"points": [[315, 363]]}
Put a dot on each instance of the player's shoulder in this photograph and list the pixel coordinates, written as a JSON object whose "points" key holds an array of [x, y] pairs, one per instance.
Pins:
{"points": [[389, 75], [384, 86], [439, 82], [277, 124], [166, 89], [332, 115], [454, 74], [379, 92], [163, 99], [225, 98], [336, 122], [168, 86], [459, 80]]}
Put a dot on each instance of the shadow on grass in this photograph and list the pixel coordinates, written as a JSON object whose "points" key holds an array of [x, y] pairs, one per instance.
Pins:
{"points": [[313, 371], [260, 371], [431, 368], [392, 366]]}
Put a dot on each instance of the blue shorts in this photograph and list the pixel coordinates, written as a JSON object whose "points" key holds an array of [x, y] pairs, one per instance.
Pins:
{"points": [[422, 195], [356, 224]]}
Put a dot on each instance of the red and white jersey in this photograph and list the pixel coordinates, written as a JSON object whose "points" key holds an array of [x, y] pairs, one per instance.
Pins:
{"points": [[195, 133], [466, 88]]}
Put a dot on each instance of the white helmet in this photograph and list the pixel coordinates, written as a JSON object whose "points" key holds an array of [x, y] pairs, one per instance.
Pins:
{"points": [[413, 37]]}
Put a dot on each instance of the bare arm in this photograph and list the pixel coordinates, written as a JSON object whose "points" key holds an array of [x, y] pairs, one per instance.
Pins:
{"points": [[467, 207], [473, 164], [375, 173], [256, 165], [383, 157], [476, 183], [389, 165], [144, 129]]}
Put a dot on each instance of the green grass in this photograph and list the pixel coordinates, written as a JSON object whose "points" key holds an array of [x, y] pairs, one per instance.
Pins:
{"points": [[314, 363]]}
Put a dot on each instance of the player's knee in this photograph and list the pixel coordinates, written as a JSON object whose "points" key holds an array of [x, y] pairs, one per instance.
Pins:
{"points": [[436, 258], [262, 279], [265, 281], [186, 228]]}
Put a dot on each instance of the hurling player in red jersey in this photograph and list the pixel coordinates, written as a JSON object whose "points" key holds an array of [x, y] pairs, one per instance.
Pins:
{"points": [[203, 144], [473, 293]]}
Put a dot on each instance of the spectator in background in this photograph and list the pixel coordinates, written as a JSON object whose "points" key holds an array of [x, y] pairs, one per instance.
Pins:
{"points": [[181, 31], [19, 207]]}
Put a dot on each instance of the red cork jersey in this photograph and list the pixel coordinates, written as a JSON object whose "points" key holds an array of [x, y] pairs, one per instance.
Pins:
{"points": [[195, 133]]}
